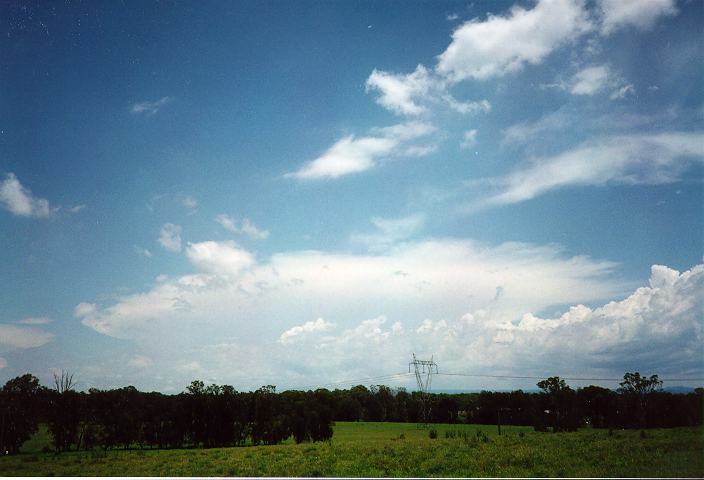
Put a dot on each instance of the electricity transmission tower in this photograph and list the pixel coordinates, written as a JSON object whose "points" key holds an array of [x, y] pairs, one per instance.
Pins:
{"points": [[424, 375]]}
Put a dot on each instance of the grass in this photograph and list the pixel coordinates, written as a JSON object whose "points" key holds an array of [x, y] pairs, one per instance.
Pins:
{"points": [[397, 449]]}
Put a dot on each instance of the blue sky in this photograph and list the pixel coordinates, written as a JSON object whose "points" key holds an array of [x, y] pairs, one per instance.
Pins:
{"points": [[301, 193]]}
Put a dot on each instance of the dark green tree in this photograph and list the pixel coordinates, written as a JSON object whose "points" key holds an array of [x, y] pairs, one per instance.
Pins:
{"points": [[19, 402]]}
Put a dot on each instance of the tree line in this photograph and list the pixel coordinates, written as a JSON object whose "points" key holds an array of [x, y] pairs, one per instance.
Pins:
{"points": [[219, 416]]}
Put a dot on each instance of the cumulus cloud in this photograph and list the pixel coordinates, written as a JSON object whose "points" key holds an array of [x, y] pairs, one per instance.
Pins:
{"points": [[222, 258], [19, 338], [18, 200], [505, 44], [376, 301], [294, 333], [150, 107], [466, 303], [170, 237], [397, 91], [618, 14], [627, 159], [656, 328], [353, 155]]}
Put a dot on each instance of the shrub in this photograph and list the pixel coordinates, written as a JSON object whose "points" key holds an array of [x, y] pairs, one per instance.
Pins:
{"points": [[433, 434]]}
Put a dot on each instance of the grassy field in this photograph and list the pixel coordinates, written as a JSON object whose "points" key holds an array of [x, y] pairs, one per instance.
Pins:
{"points": [[397, 449]]}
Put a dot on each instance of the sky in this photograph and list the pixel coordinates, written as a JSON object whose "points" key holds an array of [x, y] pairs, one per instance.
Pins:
{"points": [[307, 193]]}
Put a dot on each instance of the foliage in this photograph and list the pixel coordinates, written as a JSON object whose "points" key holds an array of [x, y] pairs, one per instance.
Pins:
{"points": [[375, 450], [19, 399]]}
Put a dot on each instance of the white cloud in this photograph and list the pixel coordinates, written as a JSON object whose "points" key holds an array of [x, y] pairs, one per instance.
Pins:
{"points": [[641, 14], [550, 123], [19, 201], [294, 333], [76, 208], [398, 90], [227, 222], [589, 80], [190, 203], [3, 363], [596, 78], [452, 17], [482, 106], [627, 159], [251, 230], [469, 139], [420, 150], [251, 302], [144, 252], [20, 338], [413, 93], [84, 309], [352, 155], [248, 228], [170, 237], [504, 44], [623, 92], [149, 108], [35, 321], [656, 328], [390, 230], [222, 258]]}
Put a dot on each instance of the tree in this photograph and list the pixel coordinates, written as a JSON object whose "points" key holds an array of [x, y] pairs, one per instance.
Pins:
{"points": [[636, 392], [561, 401], [64, 414], [18, 412]]}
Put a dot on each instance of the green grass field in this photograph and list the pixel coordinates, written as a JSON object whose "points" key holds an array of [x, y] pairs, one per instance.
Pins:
{"points": [[397, 449]]}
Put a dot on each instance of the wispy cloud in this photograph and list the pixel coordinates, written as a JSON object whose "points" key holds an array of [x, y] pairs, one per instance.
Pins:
{"points": [[589, 80], [35, 321], [246, 227], [626, 159], [469, 139], [144, 252], [20, 201], [190, 203], [150, 107], [170, 237], [389, 231], [353, 155], [19, 338]]}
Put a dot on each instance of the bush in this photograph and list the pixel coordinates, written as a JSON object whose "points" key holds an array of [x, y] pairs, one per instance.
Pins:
{"points": [[433, 434]]}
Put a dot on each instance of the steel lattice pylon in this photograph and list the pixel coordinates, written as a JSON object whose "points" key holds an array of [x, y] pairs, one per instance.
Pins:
{"points": [[424, 376]]}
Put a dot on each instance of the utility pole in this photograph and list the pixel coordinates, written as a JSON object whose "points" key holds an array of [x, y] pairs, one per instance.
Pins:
{"points": [[424, 373]]}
